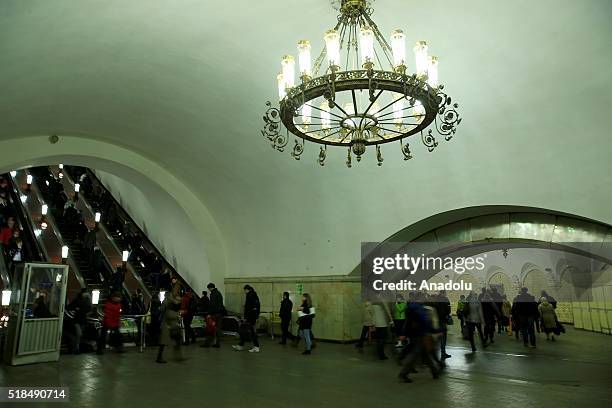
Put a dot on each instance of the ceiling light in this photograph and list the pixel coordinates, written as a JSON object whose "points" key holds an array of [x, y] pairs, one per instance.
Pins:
{"points": [[339, 98]]}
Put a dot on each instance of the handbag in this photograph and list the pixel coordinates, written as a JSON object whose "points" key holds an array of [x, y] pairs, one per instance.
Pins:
{"points": [[175, 333]]}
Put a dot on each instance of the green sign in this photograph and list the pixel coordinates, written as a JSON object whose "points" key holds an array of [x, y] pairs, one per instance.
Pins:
{"points": [[299, 289]]}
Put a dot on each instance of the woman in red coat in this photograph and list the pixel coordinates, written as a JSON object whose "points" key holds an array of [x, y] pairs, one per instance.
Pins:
{"points": [[111, 322], [6, 232]]}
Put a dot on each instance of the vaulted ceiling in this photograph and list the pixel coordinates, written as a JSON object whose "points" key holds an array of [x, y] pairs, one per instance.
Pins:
{"points": [[183, 83]]}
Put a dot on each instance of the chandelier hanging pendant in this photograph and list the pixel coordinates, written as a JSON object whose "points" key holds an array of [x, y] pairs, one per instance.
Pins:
{"points": [[362, 98]]}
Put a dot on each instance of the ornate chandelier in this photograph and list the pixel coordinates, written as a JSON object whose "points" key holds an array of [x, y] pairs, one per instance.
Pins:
{"points": [[358, 92]]}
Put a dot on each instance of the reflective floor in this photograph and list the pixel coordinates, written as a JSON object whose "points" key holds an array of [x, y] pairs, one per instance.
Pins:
{"points": [[574, 371]]}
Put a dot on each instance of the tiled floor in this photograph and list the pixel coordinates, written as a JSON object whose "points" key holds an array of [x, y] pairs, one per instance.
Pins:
{"points": [[572, 372]]}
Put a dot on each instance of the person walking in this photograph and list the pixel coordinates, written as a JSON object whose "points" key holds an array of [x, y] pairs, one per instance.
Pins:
{"points": [[80, 306], [419, 330], [305, 315], [506, 313], [399, 315], [251, 314], [460, 307], [474, 319], [526, 309], [443, 308], [217, 312], [155, 311], [548, 318], [189, 308], [111, 322], [170, 329], [203, 304], [490, 313], [381, 319], [367, 318], [285, 313]]}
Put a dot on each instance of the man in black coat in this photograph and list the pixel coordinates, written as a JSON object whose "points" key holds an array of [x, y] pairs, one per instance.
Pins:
{"points": [[285, 313], [442, 305], [251, 314], [80, 306], [525, 308], [217, 311]]}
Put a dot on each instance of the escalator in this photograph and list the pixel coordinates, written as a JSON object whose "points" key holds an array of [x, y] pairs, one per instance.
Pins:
{"points": [[30, 249], [42, 228], [111, 251], [145, 261], [71, 227]]}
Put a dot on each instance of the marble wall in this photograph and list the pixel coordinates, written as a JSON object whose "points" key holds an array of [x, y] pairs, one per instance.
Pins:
{"points": [[337, 301]]}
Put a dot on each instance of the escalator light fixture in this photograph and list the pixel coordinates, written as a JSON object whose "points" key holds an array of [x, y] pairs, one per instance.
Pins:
{"points": [[58, 277], [23, 198], [47, 182], [162, 295], [95, 297], [43, 226], [61, 166], [13, 173], [60, 175], [44, 209], [97, 217], [6, 297], [29, 179], [125, 256], [64, 252], [77, 187]]}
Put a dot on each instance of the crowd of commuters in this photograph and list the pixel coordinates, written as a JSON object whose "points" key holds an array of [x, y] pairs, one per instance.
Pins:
{"points": [[421, 322]]}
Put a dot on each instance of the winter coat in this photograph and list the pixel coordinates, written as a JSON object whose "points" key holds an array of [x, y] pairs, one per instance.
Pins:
{"points": [[379, 316], [548, 316], [169, 322], [305, 321], [367, 315], [524, 307], [473, 312], [251, 307], [81, 307], [216, 302], [286, 309], [400, 311], [112, 314], [506, 308]]}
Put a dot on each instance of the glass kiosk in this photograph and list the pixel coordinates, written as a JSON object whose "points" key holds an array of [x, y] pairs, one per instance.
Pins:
{"points": [[36, 314]]}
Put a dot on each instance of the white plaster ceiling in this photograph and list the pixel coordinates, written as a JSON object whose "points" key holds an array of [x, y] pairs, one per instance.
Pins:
{"points": [[184, 83]]}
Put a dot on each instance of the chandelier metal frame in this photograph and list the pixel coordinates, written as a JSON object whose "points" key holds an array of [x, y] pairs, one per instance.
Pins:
{"points": [[358, 125]]}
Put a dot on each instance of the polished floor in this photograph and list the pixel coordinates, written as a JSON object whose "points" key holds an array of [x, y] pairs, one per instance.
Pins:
{"points": [[575, 371]]}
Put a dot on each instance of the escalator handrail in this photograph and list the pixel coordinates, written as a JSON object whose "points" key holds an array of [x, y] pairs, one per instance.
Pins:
{"points": [[51, 221], [4, 275], [136, 276], [38, 253], [141, 233]]}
